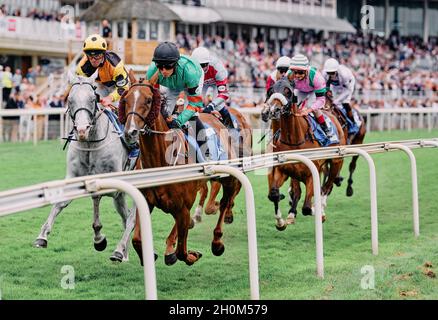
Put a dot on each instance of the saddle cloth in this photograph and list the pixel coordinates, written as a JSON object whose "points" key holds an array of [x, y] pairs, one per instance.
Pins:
{"points": [[319, 133]]}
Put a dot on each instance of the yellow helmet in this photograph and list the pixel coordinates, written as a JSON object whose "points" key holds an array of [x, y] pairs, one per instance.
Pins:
{"points": [[95, 44]]}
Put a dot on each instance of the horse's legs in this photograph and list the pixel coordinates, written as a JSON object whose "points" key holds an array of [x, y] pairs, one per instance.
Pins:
{"points": [[182, 220], [351, 168], [99, 239], [41, 240], [276, 179], [231, 187], [307, 206], [170, 255], [136, 238], [294, 198], [128, 219], [335, 169], [203, 192], [212, 204]]}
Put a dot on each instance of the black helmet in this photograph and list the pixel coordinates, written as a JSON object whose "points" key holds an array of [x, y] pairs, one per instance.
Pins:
{"points": [[166, 53]]}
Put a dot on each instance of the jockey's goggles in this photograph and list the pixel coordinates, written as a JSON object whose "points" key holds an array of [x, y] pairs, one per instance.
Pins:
{"points": [[299, 71], [331, 73], [282, 69], [94, 54], [165, 66], [204, 65]]}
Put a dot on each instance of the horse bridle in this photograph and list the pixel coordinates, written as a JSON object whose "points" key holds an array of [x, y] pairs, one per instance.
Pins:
{"points": [[93, 115], [97, 112], [147, 126]]}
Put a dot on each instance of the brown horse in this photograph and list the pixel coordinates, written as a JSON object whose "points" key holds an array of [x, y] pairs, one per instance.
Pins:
{"points": [[242, 144], [145, 123], [356, 138], [296, 134]]}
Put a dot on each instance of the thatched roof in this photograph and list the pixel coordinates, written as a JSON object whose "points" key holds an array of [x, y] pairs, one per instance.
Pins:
{"points": [[127, 10]]}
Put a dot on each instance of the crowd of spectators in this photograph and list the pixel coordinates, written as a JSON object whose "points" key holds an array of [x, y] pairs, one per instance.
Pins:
{"points": [[20, 92], [34, 13], [398, 71]]}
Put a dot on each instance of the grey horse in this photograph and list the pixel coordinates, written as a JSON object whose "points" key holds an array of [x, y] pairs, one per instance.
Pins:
{"points": [[96, 148]]}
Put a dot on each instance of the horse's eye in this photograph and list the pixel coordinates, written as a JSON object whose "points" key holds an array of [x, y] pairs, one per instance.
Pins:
{"points": [[148, 101]]}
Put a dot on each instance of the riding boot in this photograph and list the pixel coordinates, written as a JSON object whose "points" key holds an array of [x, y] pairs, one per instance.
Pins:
{"points": [[326, 129], [226, 118], [201, 139], [348, 111], [134, 152]]}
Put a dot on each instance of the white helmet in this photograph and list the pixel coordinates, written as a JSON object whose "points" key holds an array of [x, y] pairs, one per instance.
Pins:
{"points": [[331, 65], [201, 54], [283, 62], [299, 62]]}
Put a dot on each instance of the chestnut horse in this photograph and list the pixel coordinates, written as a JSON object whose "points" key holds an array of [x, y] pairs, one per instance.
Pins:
{"points": [[145, 124], [296, 134], [356, 138], [242, 144]]}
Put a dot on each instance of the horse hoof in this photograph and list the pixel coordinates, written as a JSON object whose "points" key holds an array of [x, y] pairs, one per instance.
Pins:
{"points": [[170, 259], [229, 219], [116, 257], [100, 246], [190, 261], [217, 249], [192, 223], [323, 218], [40, 243], [282, 196], [290, 220], [307, 211], [282, 227], [349, 191], [338, 181]]}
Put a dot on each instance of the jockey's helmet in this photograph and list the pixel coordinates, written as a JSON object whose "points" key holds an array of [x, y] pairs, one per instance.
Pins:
{"points": [[95, 44], [202, 55], [331, 65], [283, 62], [166, 53], [299, 62]]}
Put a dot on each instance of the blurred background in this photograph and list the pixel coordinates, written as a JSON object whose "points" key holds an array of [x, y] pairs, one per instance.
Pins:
{"points": [[390, 45]]}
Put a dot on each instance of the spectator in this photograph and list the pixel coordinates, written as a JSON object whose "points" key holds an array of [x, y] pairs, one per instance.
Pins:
{"points": [[11, 123], [106, 29], [16, 80], [6, 83]]}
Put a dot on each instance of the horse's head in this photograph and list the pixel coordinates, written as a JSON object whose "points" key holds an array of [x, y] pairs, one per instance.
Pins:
{"points": [[142, 106], [280, 98], [82, 105]]}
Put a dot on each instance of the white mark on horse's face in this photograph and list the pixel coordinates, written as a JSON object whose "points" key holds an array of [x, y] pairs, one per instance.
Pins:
{"points": [[83, 98], [132, 126]]}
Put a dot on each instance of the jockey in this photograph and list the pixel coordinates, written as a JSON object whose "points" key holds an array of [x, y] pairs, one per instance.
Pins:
{"points": [[176, 73], [342, 80], [310, 88], [216, 77], [112, 76], [282, 66]]}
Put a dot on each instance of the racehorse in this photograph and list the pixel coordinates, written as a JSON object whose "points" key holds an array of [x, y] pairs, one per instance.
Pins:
{"points": [[356, 138], [242, 144], [296, 134], [95, 148], [146, 124]]}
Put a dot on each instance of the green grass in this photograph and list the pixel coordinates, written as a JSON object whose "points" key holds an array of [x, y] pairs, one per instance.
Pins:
{"points": [[286, 259]]}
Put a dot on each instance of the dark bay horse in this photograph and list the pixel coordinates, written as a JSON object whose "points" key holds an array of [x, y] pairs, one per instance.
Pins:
{"points": [[296, 134], [356, 138], [162, 147], [242, 144]]}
